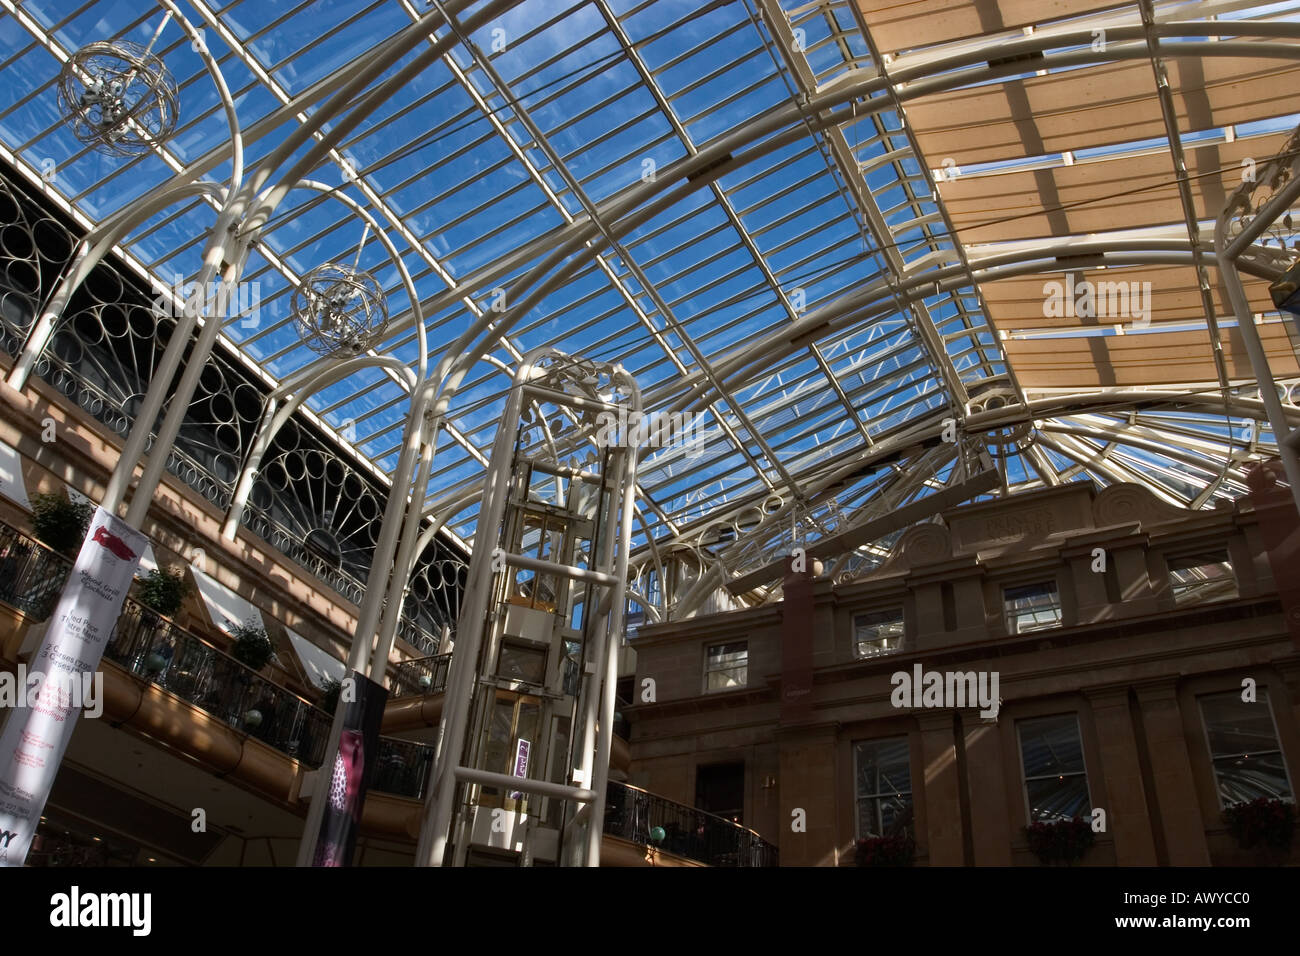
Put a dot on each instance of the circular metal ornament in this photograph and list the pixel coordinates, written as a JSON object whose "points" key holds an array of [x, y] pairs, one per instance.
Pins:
{"points": [[118, 98], [339, 310]]}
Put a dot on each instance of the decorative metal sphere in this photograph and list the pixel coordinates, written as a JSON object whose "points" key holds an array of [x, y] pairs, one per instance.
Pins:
{"points": [[118, 98], [339, 311]]}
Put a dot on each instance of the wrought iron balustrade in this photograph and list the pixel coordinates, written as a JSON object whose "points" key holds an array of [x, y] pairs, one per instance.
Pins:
{"points": [[420, 675], [634, 814], [31, 575], [183, 664], [402, 767]]}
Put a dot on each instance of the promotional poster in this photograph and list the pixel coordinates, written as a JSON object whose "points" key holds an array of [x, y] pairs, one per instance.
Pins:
{"points": [[38, 729], [352, 772]]}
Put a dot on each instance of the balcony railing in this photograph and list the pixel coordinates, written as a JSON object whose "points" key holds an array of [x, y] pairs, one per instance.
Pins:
{"points": [[31, 575], [420, 675], [148, 645], [633, 814], [402, 767], [185, 665]]}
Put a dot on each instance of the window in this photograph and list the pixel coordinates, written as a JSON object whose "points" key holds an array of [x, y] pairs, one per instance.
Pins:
{"points": [[513, 719], [1200, 577], [878, 632], [1244, 748], [726, 666], [720, 790], [1056, 782], [1031, 607], [522, 662], [541, 537], [884, 783]]}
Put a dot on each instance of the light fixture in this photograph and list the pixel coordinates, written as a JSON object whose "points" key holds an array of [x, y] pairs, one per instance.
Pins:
{"points": [[339, 310], [118, 98]]}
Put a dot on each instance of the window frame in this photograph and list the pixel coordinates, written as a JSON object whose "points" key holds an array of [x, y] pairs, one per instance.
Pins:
{"points": [[1209, 748], [901, 638], [1024, 777], [1055, 585], [1190, 587], [710, 671], [858, 797]]}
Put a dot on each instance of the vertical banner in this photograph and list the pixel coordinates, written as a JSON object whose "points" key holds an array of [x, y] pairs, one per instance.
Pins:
{"points": [[37, 733], [353, 769]]}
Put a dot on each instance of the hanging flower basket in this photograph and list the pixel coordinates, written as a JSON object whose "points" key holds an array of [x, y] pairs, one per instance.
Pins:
{"points": [[885, 851], [1060, 841], [1263, 822]]}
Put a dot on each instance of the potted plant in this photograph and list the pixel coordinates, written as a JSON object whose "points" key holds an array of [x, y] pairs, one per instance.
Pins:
{"points": [[253, 647], [163, 591], [1263, 822], [1060, 841], [896, 850], [331, 691], [61, 523]]}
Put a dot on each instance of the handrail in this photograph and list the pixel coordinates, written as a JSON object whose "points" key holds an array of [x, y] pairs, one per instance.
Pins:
{"points": [[184, 664], [31, 574], [420, 676], [189, 666], [635, 814]]}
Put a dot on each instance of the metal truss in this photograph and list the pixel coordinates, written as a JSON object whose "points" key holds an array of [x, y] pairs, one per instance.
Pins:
{"points": [[788, 271]]}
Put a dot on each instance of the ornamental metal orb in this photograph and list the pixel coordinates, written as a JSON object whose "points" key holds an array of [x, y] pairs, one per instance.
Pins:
{"points": [[118, 98], [339, 310]]}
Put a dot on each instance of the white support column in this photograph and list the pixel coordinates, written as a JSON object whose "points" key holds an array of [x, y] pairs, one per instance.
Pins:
{"points": [[405, 561], [605, 740], [469, 638]]}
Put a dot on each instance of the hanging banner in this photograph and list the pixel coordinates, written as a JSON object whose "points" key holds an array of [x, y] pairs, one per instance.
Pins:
{"points": [[37, 731], [353, 770]]}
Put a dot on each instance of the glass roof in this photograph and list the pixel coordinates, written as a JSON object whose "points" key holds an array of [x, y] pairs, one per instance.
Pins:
{"points": [[821, 295]]}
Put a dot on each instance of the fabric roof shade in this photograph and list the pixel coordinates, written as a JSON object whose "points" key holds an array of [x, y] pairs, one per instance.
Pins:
{"points": [[1150, 358], [904, 24], [11, 476], [1094, 106], [1021, 303], [1095, 195], [320, 666], [225, 608]]}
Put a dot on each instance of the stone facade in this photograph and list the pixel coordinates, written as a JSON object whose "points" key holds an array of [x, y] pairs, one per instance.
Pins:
{"points": [[1129, 659]]}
